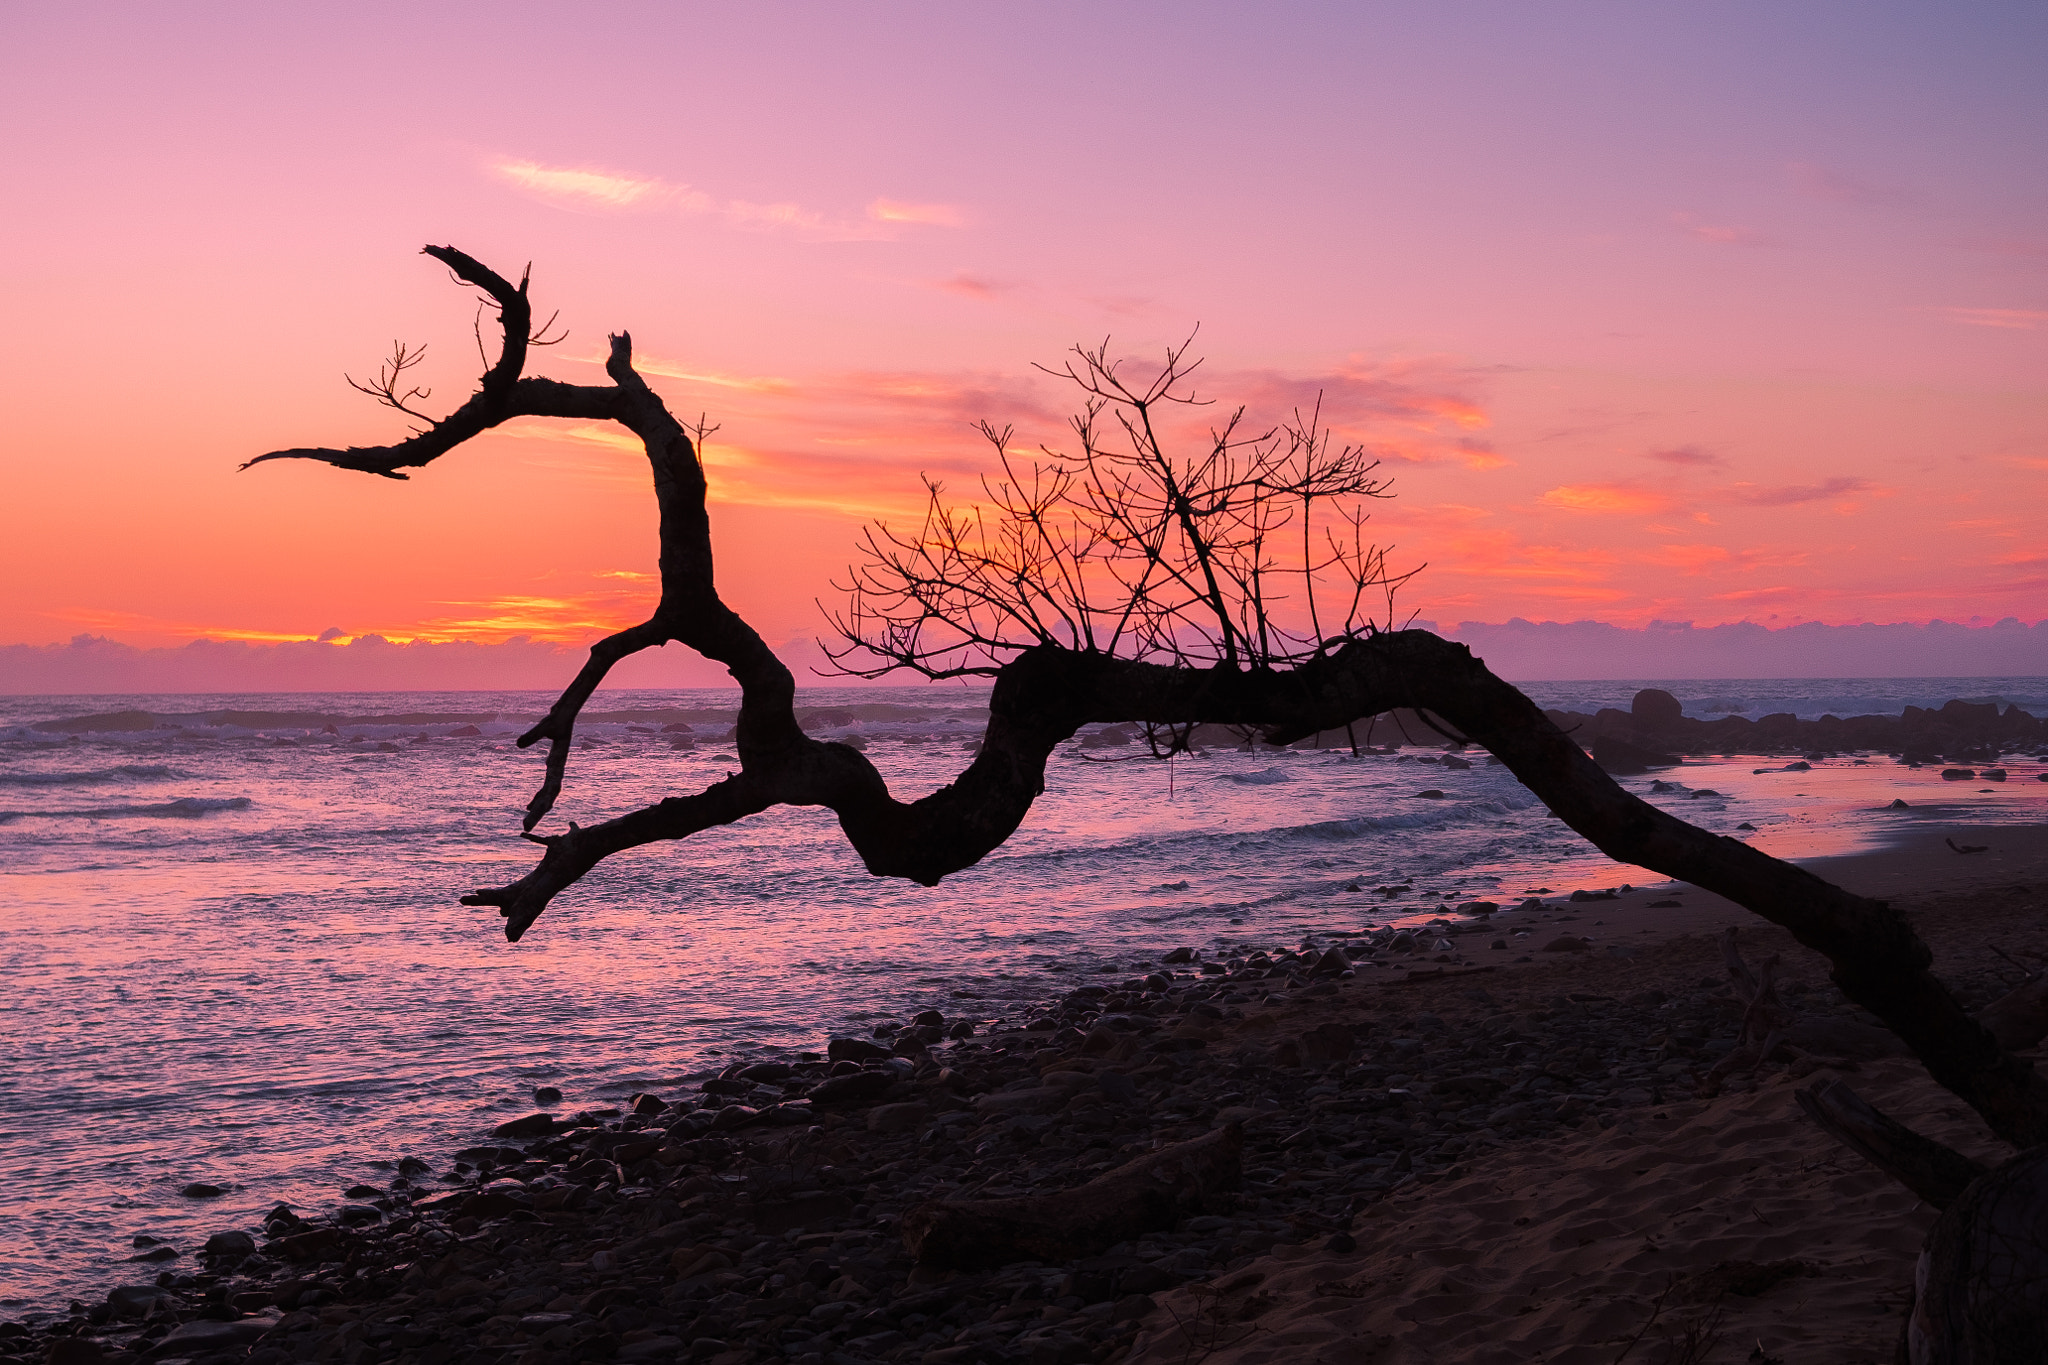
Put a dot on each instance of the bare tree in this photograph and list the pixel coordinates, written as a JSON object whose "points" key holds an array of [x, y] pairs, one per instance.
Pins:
{"points": [[1123, 584]]}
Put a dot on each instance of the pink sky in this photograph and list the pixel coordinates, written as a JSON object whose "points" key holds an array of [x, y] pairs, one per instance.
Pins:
{"points": [[1732, 313]]}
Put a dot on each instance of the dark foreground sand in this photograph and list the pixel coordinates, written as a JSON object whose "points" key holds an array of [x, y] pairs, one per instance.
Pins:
{"points": [[1504, 1161]]}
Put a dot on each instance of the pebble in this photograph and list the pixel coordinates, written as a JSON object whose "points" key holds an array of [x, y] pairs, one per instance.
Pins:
{"points": [[759, 1222]]}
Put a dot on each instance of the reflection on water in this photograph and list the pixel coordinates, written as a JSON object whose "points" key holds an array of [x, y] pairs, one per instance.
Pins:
{"points": [[235, 953]]}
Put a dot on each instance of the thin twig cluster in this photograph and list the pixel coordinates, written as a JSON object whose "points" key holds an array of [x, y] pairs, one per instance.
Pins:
{"points": [[1249, 552]]}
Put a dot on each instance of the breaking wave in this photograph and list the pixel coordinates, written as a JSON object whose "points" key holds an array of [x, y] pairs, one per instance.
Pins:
{"points": [[183, 808], [98, 776]]}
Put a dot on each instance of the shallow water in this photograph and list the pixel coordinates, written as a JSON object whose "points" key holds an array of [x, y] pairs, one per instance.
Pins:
{"points": [[235, 953]]}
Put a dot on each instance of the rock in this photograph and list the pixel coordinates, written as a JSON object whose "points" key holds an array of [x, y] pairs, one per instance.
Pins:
{"points": [[73, 1351], [1478, 907], [859, 1087], [321, 1244], [646, 1104], [1150, 1194], [2019, 1019], [1039, 1100], [929, 1019], [134, 1300], [1178, 956], [204, 1335], [897, 1118], [1622, 758], [1655, 709], [1327, 1043], [531, 1126], [199, 1189], [855, 1050], [1431, 795], [735, 1116], [231, 1243], [357, 1215], [1957, 774], [1567, 943], [1330, 963]]}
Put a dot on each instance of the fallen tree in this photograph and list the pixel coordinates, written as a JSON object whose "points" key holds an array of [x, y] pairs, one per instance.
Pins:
{"points": [[1125, 585]]}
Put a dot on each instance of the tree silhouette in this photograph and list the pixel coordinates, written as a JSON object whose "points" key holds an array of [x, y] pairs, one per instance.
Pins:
{"points": [[1125, 584]]}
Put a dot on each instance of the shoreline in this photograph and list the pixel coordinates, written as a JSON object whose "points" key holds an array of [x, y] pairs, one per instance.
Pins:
{"points": [[1393, 1076]]}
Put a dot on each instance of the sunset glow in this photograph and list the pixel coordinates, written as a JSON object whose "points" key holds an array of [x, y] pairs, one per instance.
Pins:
{"points": [[1717, 315]]}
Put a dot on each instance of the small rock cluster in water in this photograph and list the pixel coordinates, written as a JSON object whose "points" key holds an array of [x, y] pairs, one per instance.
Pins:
{"points": [[758, 1219]]}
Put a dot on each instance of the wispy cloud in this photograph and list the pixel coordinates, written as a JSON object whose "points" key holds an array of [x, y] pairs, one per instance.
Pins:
{"points": [[1604, 497], [2014, 319], [1693, 559], [590, 188], [933, 215], [671, 369], [1690, 457], [973, 287], [1787, 495], [1820, 182], [1720, 234]]}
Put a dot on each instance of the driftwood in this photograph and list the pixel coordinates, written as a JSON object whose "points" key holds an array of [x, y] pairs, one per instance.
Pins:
{"points": [[1151, 1194], [1044, 692], [1765, 1017], [2019, 1018], [1932, 1170], [1981, 1287]]}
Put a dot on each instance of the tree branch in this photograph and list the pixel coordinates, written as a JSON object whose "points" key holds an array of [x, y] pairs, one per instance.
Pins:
{"points": [[1044, 692]]}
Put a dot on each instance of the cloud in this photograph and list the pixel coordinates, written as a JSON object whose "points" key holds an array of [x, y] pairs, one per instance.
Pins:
{"points": [[973, 287], [1531, 650], [1689, 456], [932, 215], [670, 369], [1721, 234], [1787, 495], [2011, 319], [1693, 559], [587, 188], [1818, 182], [1604, 497]]}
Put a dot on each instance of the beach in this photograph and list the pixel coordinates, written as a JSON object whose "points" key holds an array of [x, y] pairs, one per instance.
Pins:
{"points": [[1495, 1153]]}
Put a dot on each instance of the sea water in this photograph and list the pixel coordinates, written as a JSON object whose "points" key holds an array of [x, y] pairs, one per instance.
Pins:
{"points": [[233, 951]]}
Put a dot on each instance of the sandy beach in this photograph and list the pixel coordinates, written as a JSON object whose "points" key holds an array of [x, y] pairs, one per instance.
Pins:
{"points": [[1498, 1153]]}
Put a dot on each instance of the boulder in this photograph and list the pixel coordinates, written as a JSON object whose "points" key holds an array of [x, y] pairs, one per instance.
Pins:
{"points": [[855, 1050], [1655, 709], [531, 1126], [231, 1243], [1622, 758], [859, 1087], [204, 1336]]}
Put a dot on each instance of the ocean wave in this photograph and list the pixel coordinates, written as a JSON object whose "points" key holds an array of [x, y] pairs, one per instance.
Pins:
{"points": [[140, 771], [1264, 777], [183, 808]]}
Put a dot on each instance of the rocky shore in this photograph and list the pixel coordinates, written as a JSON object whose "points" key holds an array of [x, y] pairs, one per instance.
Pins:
{"points": [[889, 1199]]}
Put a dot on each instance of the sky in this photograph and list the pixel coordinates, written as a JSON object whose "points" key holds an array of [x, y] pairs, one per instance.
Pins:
{"points": [[1709, 313]]}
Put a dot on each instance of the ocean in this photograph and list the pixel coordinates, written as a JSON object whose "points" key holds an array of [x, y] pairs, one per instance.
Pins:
{"points": [[234, 954]]}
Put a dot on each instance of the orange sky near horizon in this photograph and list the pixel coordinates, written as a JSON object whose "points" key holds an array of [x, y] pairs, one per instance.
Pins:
{"points": [[1724, 315]]}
